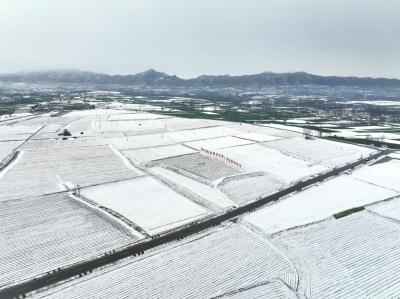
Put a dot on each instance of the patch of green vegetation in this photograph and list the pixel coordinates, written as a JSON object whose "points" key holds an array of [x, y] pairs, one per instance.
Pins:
{"points": [[348, 212], [5, 111], [364, 142]]}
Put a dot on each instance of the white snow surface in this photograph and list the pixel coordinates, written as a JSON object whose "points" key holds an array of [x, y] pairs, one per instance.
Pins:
{"points": [[317, 203], [203, 266], [255, 157], [353, 257], [148, 203], [217, 143], [319, 151], [206, 192], [43, 233], [386, 174], [257, 137], [157, 153]]}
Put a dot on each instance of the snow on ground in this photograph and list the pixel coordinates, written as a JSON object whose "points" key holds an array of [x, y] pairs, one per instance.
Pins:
{"points": [[208, 194], [255, 157], [48, 232], [395, 155], [6, 148], [18, 130], [216, 143], [318, 151], [157, 153], [257, 137], [136, 116], [200, 165], [284, 127], [53, 143], [386, 174], [45, 171], [203, 266], [275, 289], [245, 188], [318, 203], [263, 129], [201, 133], [390, 208], [353, 257], [131, 126], [148, 203]]}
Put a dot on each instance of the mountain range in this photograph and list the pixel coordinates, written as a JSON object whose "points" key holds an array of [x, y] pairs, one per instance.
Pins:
{"points": [[154, 79]]}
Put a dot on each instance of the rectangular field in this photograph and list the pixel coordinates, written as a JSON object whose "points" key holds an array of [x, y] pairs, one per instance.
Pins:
{"points": [[354, 257], [50, 170], [156, 153], [386, 174], [216, 143], [45, 233], [318, 151], [200, 165], [255, 157], [148, 203], [208, 195], [317, 203], [203, 266], [246, 188]]}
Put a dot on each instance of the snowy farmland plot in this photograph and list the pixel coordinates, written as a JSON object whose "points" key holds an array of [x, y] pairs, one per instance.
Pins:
{"points": [[44, 233], [385, 174], [208, 196], [318, 151], [353, 257], [147, 203], [156, 153], [211, 264], [389, 209], [200, 165], [136, 116], [246, 188], [317, 203], [275, 289], [216, 143], [48, 170], [7, 147], [255, 157]]}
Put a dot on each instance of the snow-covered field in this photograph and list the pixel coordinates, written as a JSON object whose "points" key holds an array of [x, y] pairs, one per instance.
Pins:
{"points": [[354, 257], [257, 137], [205, 193], [324, 152], [44, 233], [255, 157], [48, 170], [7, 147], [156, 153], [245, 188], [317, 203], [217, 143], [204, 266], [390, 208], [200, 165], [142, 171], [275, 289], [148, 203], [386, 174], [135, 116]]}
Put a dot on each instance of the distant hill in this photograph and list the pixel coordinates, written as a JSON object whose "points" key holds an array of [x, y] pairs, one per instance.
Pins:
{"points": [[155, 79]]}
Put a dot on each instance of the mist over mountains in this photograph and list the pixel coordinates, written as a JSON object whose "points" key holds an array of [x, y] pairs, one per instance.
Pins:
{"points": [[154, 79]]}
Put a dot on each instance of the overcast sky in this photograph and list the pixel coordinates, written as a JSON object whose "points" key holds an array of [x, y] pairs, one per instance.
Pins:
{"points": [[193, 37]]}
